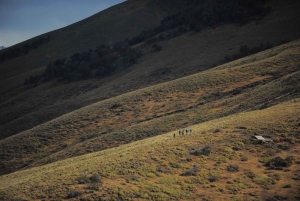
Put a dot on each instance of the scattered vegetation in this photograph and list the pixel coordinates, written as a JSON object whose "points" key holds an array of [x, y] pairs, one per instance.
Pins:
{"points": [[204, 151], [11, 53], [245, 50], [73, 194], [103, 61], [233, 168]]}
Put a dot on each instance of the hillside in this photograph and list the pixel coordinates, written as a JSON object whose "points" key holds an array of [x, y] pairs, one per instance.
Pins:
{"points": [[252, 83], [117, 137], [167, 168], [121, 21], [25, 107]]}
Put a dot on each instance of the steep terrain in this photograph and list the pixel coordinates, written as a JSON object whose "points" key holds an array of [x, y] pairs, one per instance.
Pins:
{"points": [[167, 168], [117, 137], [24, 108], [252, 83], [124, 20]]}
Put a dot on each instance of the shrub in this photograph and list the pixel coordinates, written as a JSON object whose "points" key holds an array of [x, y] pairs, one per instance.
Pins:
{"points": [[94, 186], [96, 178], [189, 173], [279, 162], [212, 178], [277, 198], [116, 105], [264, 181], [205, 151], [73, 194], [244, 158], [83, 180], [250, 174], [238, 146], [175, 165], [287, 186], [233, 168]]}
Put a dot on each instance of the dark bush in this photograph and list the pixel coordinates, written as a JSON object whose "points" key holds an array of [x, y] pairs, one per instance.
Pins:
{"points": [[116, 105], [213, 179], [196, 152], [189, 173], [96, 178], [277, 198], [73, 194], [278, 162], [204, 151], [233, 168], [25, 49]]}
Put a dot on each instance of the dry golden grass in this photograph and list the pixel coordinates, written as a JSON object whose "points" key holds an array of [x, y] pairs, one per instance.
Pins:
{"points": [[151, 168]]}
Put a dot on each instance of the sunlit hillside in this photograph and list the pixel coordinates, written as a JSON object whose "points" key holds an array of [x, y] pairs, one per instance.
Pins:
{"points": [[167, 168]]}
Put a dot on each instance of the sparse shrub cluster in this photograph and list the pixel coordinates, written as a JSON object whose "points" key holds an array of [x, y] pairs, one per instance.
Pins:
{"points": [[191, 172], [250, 174], [213, 178], [93, 63], [33, 80], [204, 151], [25, 49], [238, 146], [233, 168], [201, 14], [277, 198], [279, 162], [102, 61], [246, 51], [93, 179], [73, 194]]}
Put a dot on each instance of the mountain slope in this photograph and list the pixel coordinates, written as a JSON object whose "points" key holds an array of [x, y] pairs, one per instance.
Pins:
{"points": [[119, 22], [21, 110], [255, 82], [153, 168]]}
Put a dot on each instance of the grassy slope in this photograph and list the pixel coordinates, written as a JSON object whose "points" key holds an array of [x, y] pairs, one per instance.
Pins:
{"points": [[251, 83], [22, 109], [131, 171]]}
